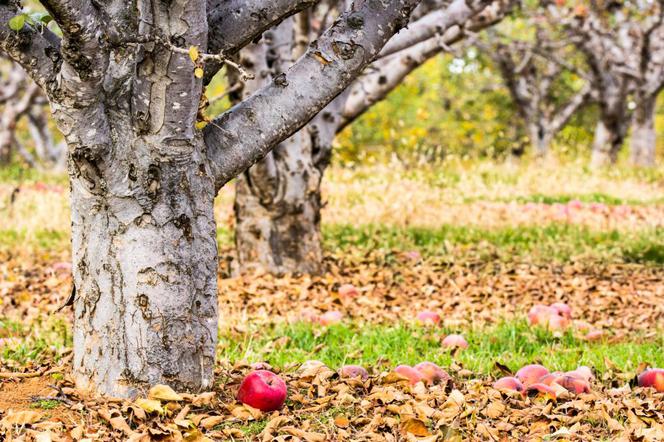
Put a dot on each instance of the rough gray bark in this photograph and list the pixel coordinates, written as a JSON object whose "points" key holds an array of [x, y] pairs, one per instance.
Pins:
{"points": [[643, 136], [123, 92], [278, 201]]}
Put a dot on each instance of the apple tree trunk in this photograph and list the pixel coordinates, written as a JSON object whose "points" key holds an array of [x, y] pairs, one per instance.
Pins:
{"points": [[643, 137]]}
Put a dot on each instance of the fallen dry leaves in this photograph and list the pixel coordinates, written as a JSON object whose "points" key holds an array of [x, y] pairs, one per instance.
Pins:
{"points": [[324, 407]]}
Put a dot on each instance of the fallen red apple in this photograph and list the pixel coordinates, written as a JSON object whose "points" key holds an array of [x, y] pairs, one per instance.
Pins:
{"points": [[353, 371], [594, 335], [262, 389], [409, 372], [563, 309], [582, 372], [555, 322], [309, 315], [348, 291], [653, 377], [508, 383], [331, 317], [540, 313], [428, 317], [432, 373], [538, 388], [455, 341], [531, 374], [551, 378], [574, 385]]}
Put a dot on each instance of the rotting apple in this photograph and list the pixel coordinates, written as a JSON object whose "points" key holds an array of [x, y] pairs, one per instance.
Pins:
{"points": [[563, 309], [348, 291], [353, 371], [432, 373]]}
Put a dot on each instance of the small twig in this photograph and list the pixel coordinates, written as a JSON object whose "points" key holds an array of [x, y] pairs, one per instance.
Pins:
{"points": [[17, 375], [220, 57]]}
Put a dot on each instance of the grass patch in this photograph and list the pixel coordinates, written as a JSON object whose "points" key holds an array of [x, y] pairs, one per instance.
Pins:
{"points": [[513, 344], [556, 241]]}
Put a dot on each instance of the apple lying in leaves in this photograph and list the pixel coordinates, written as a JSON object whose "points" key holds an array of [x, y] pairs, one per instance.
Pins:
{"points": [[262, 389], [348, 291], [582, 372], [653, 377], [573, 384], [455, 341], [353, 371], [428, 317], [531, 374], [413, 375], [331, 317], [508, 383], [432, 373]]}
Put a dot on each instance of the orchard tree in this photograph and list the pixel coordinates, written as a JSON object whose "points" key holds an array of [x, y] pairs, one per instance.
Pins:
{"points": [[278, 200], [623, 44], [538, 74], [125, 86], [22, 100]]}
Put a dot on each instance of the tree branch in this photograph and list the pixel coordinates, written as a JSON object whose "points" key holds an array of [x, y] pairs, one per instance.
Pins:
{"points": [[434, 23], [31, 48], [232, 24], [281, 108], [385, 74]]}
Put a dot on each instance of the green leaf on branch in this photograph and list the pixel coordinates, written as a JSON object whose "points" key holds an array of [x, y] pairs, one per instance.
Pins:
{"points": [[16, 22]]}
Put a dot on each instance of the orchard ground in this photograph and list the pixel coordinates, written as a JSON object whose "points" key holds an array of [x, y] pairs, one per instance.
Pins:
{"points": [[476, 242]]}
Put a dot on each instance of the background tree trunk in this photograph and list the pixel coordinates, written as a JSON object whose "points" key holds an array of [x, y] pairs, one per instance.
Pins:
{"points": [[644, 138], [145, 266], [277, 211], [607, 141]]}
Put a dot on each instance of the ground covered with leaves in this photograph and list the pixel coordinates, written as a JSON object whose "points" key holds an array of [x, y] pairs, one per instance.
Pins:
{"points": [[480, 255]]}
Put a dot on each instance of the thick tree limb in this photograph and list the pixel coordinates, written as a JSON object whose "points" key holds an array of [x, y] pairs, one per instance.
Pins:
{"points": [[435, 23], [278, 110], [32, 49], [234, 24]]}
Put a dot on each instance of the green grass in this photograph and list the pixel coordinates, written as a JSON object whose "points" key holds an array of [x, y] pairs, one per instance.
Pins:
{"points": [[513, 344], [552, 242]]}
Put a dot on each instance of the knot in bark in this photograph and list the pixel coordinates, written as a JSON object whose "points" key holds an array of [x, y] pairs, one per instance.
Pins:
{"points": [[281, 80], [355, 20], [344, 50]]}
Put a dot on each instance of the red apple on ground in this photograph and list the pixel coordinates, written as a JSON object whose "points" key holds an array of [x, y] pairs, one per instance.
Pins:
{"points": [[582, 372], [455, 341], [563, 309], [331, 317], [594, 335], [538, 388], [309, 315], [555, 322], [653, 377], [432, 373], [574, 385], [262, 389], [508, 383], [348, 291], [531, 374], [428, 317], [551, 378], [409, 372], [539, 313], [353, 371]]}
